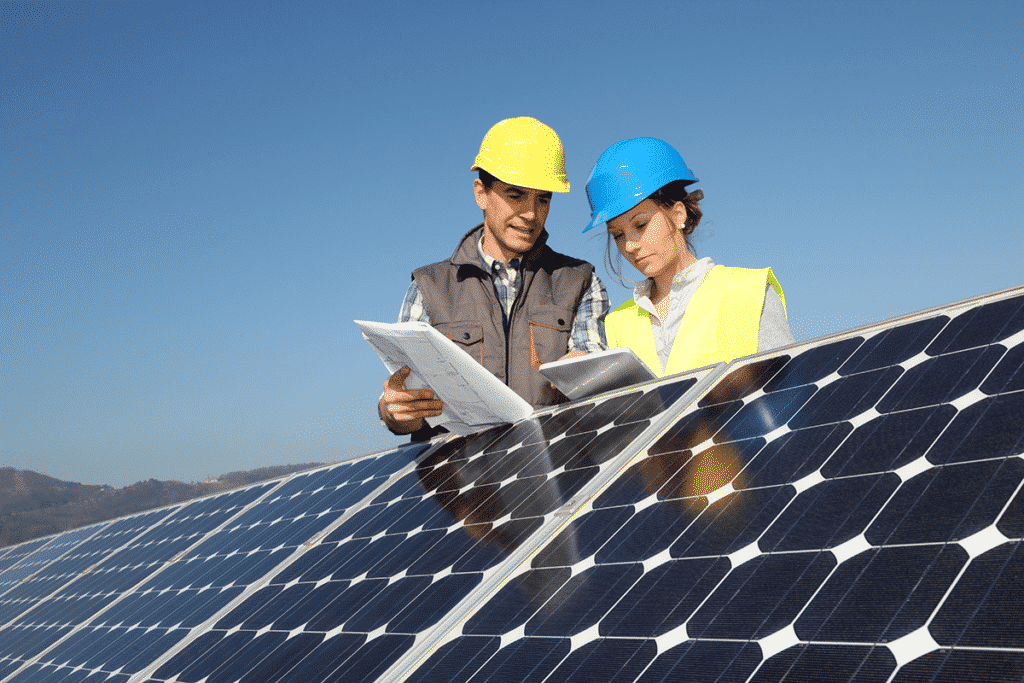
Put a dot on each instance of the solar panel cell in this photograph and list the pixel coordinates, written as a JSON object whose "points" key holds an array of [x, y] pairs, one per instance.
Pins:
{"points": [[947, 503], [257, 647], [957, 666], [623, 660], [732, 522], [655, 401], [530, 660], [813, 365], [457, 660], [989, 428], [644, 611], [1008, 375], [761, 596], [494, 544], [326, 659], [516, 602], [583, 600], [981, 325], [649, 531], [882, 594], [942, 379], [289, 653], [985, 606], [1011, 523], [846, 398], [888, 442], [711, 661], [894, 346], [829, 513], [790, 457], [695, 428], [765, 414], [832, 662], [435, 601]]}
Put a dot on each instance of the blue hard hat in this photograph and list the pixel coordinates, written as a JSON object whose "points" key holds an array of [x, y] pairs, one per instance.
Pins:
{"points": [[629, 172]]}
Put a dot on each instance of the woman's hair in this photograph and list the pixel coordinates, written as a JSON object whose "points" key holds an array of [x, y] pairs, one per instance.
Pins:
{"points": [[665, 196]]}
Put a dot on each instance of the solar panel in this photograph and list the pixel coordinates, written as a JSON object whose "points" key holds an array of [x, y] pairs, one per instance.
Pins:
{"points": [[151, 579], [26, 559], [851, 507], [377, 585], [848, 509]]}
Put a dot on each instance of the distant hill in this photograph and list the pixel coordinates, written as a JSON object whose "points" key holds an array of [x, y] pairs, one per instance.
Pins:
{"points": [[34, 505]]}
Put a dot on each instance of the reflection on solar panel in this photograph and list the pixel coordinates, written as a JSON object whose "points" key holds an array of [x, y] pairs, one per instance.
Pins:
{"points": [[849, 509]]}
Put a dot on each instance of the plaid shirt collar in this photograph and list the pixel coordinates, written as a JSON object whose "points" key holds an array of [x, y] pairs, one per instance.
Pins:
{"points": [[469, 253], [505, 278], [492, 264]]}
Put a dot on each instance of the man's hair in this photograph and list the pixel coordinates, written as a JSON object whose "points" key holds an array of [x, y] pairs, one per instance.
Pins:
{"points": [[665, 196], [486, 178]]}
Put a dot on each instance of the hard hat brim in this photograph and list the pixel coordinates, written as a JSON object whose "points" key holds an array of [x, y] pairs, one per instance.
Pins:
{"points": [[507, 176], [624, 204]]}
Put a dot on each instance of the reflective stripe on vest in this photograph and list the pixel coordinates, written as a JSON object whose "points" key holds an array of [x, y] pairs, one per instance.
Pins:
{"points": [[720, 323]]}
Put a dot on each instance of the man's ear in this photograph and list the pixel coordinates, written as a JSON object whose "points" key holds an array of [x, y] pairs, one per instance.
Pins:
{"points": [[480, 192]]}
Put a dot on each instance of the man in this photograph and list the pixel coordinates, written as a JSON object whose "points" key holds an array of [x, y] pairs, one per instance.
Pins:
{"points": [[505, 297]]}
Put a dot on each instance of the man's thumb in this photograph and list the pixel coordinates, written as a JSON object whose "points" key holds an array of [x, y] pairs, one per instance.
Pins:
{"points": [[400, 377]]}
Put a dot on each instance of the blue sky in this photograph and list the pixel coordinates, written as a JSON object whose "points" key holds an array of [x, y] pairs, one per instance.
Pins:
{"points": [[198, 198]]}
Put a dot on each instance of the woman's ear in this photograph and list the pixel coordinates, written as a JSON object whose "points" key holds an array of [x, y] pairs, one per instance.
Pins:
{"points": [[679, 215]]}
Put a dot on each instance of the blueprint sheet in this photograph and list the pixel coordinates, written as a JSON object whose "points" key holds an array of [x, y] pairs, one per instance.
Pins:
{"points": [[473, 398]]}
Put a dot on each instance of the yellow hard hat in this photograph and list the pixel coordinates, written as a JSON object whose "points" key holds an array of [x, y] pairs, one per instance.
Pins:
{"points": [[525, 152]]}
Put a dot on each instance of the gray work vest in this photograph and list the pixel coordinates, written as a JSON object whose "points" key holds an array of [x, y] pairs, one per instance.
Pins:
{"points": [[460, 299]]}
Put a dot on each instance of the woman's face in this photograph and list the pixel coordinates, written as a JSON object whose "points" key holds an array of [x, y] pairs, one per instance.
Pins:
{"points": [[650, 237]]}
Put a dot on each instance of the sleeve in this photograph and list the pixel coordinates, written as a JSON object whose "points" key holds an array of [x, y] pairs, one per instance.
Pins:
{"points": [[588, 321], [413, 309], [773, 330]]}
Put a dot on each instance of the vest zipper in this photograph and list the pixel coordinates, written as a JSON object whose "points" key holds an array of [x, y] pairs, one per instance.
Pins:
{"points": [[508, 331]]}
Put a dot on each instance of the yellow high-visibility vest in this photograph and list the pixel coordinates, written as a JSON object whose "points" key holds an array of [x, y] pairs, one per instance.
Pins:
{"points": [[721, 322]]}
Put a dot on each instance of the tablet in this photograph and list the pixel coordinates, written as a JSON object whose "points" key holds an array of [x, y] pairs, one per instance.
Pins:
{"points": [[596, 373]]}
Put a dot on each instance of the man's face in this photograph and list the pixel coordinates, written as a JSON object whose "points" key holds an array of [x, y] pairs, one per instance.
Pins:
{"points": [[513, 217]]}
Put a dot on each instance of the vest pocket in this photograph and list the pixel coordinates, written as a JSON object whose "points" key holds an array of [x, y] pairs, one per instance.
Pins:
{"points": [[468, 335], [550, 327]]}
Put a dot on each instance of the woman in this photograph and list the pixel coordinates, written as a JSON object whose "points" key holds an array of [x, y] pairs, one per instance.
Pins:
{"points": [[687, 313]]}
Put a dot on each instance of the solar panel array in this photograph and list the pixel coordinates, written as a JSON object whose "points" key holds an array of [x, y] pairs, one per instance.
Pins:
{"points": [[849, 509]]}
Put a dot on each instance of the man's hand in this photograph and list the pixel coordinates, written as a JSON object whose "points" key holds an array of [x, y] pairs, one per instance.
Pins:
{"points": [[403, 409]]}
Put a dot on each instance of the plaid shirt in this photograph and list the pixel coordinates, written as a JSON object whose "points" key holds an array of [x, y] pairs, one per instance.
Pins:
{"points": [[587, 322]]}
